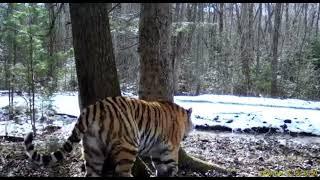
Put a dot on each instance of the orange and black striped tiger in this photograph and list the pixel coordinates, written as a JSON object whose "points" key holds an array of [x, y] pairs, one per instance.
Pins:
{"points": [[118, 129]]}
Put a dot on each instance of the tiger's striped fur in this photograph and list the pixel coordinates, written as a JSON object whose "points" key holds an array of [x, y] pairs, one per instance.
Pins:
{"points": [[117, 129]]}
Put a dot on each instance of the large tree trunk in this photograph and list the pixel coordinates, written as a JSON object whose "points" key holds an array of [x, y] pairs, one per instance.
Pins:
{"points": [[156, 75], [274, 62], [156, 67], [95, 62]]}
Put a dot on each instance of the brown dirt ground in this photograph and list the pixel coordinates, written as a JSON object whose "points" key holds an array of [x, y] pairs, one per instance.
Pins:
{"points": [[249, 155]]}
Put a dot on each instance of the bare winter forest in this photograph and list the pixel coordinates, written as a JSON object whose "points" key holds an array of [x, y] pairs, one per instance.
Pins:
{"points": [[260, 49], [50, 52]]}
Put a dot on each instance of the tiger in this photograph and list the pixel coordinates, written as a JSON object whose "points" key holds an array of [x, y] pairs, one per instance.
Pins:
{"points": [[115, 130]]}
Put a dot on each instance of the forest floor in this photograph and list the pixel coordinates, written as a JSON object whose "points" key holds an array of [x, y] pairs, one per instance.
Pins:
{"points": [[247, 154], [260, 153]]}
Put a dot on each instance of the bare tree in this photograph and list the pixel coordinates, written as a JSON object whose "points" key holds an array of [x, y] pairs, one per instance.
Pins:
{"points": [[160, 67], [246, 46], [274, 62], [221, 11], [317, 21], [154, 49], [259, 40]]}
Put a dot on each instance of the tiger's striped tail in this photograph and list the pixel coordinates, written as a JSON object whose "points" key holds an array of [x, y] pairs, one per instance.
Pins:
{"points": [[50, 158]]}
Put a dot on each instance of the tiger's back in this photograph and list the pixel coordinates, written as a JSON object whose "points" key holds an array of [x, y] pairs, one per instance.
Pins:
{"points": [[118, 129]]}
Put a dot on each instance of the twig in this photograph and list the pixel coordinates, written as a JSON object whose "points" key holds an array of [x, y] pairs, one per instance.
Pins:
{"points": [[118, 4], [129, 46]]}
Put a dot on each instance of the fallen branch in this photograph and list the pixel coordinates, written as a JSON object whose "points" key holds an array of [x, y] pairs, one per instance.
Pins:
{"points": [[12, 138], [69, 115]]}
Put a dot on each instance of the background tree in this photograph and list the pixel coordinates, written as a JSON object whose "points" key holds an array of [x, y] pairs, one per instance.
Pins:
{"points": [[154, 49], [210, 48], [156, 63], [274, 62]]}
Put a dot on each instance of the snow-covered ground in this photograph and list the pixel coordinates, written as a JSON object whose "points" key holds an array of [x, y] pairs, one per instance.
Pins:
{"points": [[247, 112], [230, 111]]}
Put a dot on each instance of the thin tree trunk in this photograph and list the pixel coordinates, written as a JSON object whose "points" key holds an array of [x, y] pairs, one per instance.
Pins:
{"points": [[300, 55], [246, 54], [175, 18], [198, 52], [311, 24], [258, 41], [287, 19], [230, 49], [221, 5], [31, 72], [32, 90], [50, 8], [177, 50], [274, 62], [8, 63], [250, 47], [12, 74], [317, 22]]}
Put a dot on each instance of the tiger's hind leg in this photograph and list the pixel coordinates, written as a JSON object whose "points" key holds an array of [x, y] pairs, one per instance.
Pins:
{"points": [[93, 156], [166, 162], [124, 155]]}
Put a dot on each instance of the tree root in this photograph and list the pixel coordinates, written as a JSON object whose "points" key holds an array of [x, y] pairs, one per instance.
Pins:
{"points": [[198, 165], [186, 161]]}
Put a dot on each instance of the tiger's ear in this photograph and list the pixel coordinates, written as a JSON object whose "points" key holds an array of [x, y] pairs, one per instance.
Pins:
{"points": [[189, 111]]}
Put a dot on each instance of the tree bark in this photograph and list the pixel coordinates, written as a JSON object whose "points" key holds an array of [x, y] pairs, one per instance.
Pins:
{"points": [[300, 53], [155, 67], [198, 51], [95, 62], [317, 22], [154, 49], [287, 22], [258, 41], [274, 62], [246, 49], [9, 61], [221, 18], [177, 49]]}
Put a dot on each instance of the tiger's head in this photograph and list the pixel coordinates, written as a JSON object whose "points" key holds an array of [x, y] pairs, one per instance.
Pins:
{"points": [[189, 125]]}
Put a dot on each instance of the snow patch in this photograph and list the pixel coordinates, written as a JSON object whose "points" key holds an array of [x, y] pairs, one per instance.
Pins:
{"points": [[230, 111]]}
